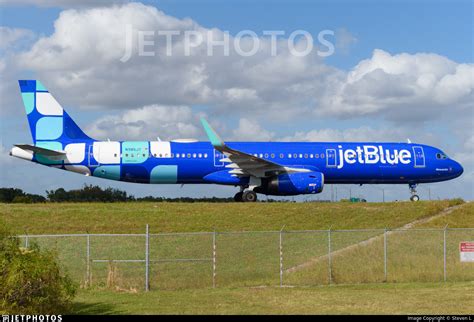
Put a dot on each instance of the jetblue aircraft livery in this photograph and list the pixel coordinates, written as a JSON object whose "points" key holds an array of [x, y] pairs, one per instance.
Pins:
{"points": [[271, 168]]}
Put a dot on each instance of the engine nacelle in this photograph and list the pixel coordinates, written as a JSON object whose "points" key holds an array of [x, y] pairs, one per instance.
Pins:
{"points": [[293, 184]]}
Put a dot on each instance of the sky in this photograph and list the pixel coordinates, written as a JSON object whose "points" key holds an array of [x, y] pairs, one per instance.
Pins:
{"points": [[400, 69]]}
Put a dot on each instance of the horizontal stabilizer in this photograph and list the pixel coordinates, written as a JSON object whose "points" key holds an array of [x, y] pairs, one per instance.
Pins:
{"points": [[42, 151]]}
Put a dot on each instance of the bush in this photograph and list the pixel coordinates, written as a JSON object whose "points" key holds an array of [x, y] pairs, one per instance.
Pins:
{"points": [[31, 279], [456, 201]]}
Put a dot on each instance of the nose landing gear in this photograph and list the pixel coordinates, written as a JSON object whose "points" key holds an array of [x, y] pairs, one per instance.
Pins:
{"points": [[414, 196]]}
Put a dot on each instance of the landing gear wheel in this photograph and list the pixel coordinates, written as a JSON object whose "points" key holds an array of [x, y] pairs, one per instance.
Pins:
{"points": [[414, 196], [249, 196], [238, 196]]}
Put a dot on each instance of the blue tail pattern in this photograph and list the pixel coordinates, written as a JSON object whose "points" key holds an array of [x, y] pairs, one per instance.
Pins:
{"points": [[49, 122]]}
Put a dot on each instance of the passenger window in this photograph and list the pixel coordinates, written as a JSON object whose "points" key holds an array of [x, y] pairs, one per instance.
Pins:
{"points": [[205, 155], [266, 155], [305, 156], [295, 155], [272, 155], [281, 155]]}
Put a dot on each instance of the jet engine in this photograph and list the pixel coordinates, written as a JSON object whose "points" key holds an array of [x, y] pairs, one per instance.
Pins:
{"points": [[293, 184]]}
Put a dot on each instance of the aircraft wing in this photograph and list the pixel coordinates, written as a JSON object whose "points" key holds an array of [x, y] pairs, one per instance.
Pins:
{"points": [[242, 163], [42, 151]]}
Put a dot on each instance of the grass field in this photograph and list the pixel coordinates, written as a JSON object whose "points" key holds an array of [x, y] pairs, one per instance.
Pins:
{"points": [[248, 264], [192, 217], [426, 298]]}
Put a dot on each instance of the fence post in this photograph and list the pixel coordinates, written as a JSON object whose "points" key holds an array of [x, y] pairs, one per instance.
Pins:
{"points": [[329, 256], [88, 259], [214, 259], [147, 258], [385, 254], [27, 241], [444, 252], [281, 256]]}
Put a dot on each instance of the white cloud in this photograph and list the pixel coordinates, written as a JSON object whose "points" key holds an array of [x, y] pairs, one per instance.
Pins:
{"points": [[402, 87], [82, 60], [469, 144], [147, 122], [12, 37], [5, 157], [344, 40], [12, 40], [250, 130], [360, 134]]}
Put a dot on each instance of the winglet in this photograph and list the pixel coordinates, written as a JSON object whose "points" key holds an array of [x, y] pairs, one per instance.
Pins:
{"points": [[216, 141]]}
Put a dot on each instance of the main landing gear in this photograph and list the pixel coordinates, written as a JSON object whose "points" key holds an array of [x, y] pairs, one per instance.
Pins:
{"points": [[414, 196], [245, 196], [238, 196]]}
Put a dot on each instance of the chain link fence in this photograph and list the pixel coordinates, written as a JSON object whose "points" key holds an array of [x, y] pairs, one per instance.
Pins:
{"points": [[261, 258]]}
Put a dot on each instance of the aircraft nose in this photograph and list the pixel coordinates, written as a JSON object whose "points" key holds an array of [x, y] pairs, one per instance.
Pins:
{"points": [[457, 168]]}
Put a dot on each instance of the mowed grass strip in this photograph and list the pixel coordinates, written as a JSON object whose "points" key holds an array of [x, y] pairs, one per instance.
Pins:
{"points": [[427, 298], [461, 217], [131, 217]]}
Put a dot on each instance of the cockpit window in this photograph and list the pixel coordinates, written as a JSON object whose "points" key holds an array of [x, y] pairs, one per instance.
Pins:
{"points": [[441, 156]]}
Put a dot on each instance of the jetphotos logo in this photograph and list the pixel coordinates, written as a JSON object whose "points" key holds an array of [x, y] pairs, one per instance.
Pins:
{"points": [[371, 154], [31, 318], [245, 43]]}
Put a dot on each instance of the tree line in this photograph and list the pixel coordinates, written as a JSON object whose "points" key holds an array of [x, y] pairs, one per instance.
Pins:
{"points": [[90, 193]]}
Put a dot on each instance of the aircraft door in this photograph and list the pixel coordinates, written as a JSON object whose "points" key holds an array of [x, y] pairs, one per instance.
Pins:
{"points": [[217, 157], [331, 158], [419, 156]]}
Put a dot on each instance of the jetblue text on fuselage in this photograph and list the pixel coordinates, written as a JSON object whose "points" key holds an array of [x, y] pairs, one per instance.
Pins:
{"points": [[371, 154]]}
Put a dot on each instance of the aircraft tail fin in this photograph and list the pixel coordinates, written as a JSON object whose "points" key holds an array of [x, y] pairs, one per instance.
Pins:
{"points": [[47, 119]]}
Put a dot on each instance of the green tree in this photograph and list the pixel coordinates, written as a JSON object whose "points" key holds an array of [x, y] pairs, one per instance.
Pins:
{"points": [[31, 280]]}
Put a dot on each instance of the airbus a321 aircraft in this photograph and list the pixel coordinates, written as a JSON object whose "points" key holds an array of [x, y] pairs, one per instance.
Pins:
{"points": [[271, 168]]}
